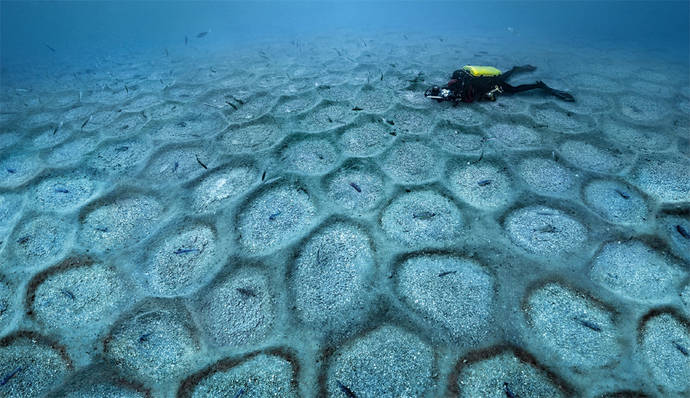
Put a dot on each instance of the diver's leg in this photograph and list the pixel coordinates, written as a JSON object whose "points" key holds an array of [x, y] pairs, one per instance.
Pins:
{"points": [[507, 88], [518, 69], [556, 93]]}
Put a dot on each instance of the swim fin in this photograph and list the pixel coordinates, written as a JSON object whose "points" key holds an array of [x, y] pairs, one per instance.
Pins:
{"points": [[556, 93]]}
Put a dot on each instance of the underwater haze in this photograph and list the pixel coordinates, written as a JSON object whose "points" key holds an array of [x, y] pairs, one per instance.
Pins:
{"points": [[258, 199]]}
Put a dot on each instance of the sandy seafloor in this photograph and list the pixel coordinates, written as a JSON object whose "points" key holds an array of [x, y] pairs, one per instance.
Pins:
{"points": [[225, 224]]}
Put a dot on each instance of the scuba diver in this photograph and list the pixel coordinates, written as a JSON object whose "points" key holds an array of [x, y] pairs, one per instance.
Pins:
{"points": [[475, 83]]}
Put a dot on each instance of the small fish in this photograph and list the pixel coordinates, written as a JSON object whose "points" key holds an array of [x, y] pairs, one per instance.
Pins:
{"points": [[622, 194], [588, 324], [392, 123], [424, 215], [202, 34], [55, 129], [86, 122], [185, 251], [547, 229], [10, 375], [444, 273], [177, 165], [166, 53], [393, 133], [481, 156], [682, 231], [364, 42], [186, 40], [246, 292], [405, 36], [61, 190], [263, 176], [348, 393], [356, 187], [213, 106], [101, 229], [329, 119], [484, 183], [181, 124], [67, 293], [273, 216], [199, 161], [680, 348], [381, 77], [231, 104], [356, 108], [506, 389], [239, 393], [11, 170], [239, 101], [50, 48], [123, 148], [144, 337], [23, 240]]}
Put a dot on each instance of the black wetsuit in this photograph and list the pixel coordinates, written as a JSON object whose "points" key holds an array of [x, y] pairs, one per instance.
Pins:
{"points": [[468, 88]]}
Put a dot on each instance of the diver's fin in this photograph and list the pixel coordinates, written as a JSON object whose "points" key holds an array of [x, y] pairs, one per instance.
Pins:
{"points": [[563, 95], [556, 93]]}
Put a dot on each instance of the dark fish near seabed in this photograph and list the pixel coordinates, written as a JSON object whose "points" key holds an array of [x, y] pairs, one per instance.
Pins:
{"points": [[424, 215], [680, 348], [61, 190], [483, 183], [185, 251], [588, 324], [50, 48], [356, 187], [202, 34], [622, 194], [239, 393], [186, 40], [682, 231], [247, 292], [199, 161], [10, 375], [507, 390], [144, 337], [348, 393], [67, 293]]}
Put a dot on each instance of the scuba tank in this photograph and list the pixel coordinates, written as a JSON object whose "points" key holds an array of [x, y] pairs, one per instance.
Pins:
{"points": [[481, 71]]}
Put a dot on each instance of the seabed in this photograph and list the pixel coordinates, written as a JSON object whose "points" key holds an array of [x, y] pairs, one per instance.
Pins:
{"points": [[206, 224]]}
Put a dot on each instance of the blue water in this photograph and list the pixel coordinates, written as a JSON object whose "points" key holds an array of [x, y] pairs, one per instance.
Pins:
{"points": [[79, 29], [256, 199]]}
